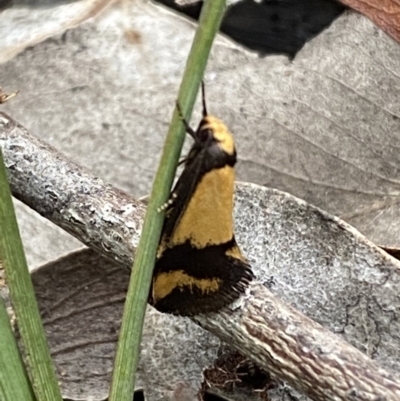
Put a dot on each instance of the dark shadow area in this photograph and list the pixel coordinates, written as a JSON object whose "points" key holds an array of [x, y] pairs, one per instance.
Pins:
{"points": [[139, 396], [233, 373], [272, 26], [5, 4]]}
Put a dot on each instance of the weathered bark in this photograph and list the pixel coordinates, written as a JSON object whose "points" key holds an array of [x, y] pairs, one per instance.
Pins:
{"points": [[298, 350], [272, 333], [99, 215]]}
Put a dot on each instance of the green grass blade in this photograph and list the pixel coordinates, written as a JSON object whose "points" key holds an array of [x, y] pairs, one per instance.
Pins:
{"points": [[128, 349], [38, 360], [14, 381]]}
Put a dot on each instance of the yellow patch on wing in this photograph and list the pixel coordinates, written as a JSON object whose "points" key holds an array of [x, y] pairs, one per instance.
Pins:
{"points": [[165, 283], [208, 218], [221, 133], [234, 252]]}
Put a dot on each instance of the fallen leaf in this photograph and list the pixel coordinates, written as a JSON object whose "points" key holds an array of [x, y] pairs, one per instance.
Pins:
{"points": [[384, 13], [22, 26], [84, 287]]}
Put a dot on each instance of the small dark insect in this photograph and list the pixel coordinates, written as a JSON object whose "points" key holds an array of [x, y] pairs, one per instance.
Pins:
{"points": [[270, 282]]}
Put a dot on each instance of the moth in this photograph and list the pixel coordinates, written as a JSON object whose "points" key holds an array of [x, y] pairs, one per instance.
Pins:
{"points": [[199, 266]]}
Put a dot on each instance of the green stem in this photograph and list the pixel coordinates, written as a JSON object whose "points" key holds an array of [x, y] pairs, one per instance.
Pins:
{"points": [[128, 349], [38, 360], [14, 381]]}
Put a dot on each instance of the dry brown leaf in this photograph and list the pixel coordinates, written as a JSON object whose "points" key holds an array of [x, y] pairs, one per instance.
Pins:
{"points": [[385, 13]]}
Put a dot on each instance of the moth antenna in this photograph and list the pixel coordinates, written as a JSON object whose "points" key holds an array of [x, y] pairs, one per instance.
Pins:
{"points": [[189, 130], [203, 95]]}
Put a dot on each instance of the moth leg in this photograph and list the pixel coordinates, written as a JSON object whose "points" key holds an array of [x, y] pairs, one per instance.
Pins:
{"points": [[168, 203], [182, 161], [189, 130]]}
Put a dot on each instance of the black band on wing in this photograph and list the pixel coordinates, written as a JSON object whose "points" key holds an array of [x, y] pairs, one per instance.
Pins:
{"points": [[209, 265]]}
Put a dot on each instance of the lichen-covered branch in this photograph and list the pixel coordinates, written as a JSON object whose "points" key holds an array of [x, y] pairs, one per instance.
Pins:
{"points": [[272, 333], [99, 215]]}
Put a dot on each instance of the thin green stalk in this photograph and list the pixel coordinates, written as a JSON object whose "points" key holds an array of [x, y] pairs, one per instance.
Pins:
{"points": [[14, 381], [128, 349], [38, 360]]}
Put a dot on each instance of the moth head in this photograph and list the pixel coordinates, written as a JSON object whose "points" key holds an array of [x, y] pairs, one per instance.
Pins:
{"points": [[212, 132]]}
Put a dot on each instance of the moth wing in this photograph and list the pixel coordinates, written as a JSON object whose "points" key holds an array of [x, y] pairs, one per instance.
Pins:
{"points": [[183, 191]]}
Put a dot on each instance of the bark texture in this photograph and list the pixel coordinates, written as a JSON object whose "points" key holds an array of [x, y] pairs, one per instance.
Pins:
{"points": [[298, 350], [94, 212]]}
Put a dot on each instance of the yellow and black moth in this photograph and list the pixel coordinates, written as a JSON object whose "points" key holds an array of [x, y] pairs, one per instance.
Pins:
{"points": [[199, 267]]}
